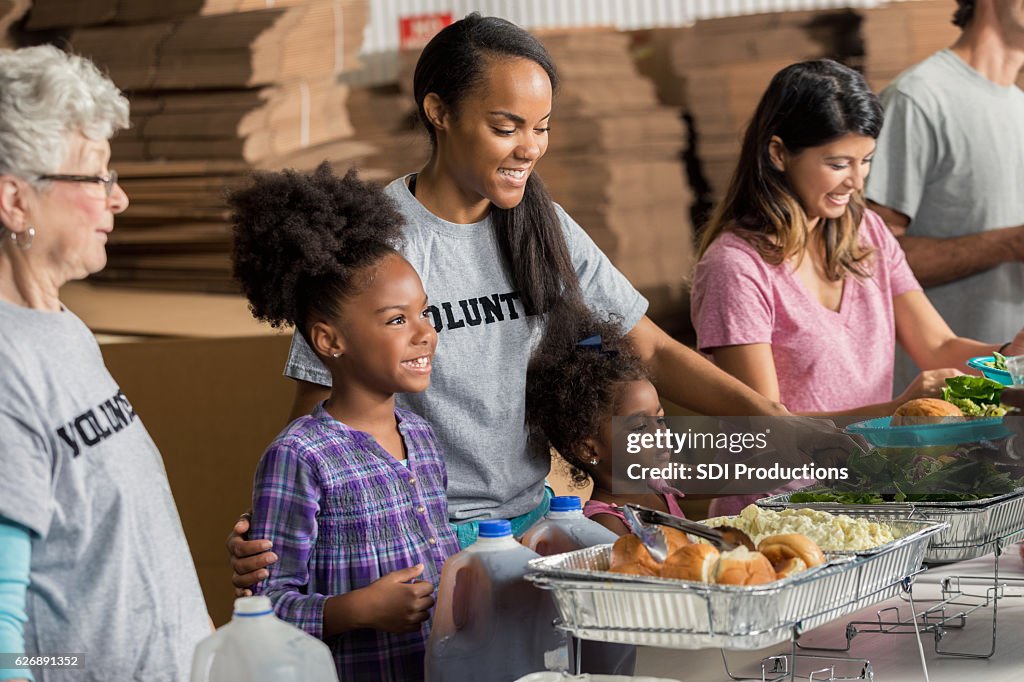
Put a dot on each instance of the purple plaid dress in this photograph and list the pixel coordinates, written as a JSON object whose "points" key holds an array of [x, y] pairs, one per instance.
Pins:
{"points": [[342, 513]]}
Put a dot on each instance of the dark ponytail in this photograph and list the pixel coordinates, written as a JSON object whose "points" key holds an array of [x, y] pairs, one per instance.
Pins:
{"points": [[964, 13], [530, 234]]}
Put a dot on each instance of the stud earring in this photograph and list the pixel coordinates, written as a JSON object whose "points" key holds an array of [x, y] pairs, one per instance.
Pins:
{"points": [[593, 461], [335, 355]]}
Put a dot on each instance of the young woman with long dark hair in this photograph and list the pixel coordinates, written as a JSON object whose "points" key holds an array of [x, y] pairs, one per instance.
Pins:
{"points": [[802, 292]]}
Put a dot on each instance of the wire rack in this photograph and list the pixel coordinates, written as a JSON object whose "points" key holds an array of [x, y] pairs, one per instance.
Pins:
{"points": [[960, 597], [975, 528]]}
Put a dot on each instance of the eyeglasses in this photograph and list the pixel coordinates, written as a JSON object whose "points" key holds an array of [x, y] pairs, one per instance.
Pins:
{"points": [[107, 182]]}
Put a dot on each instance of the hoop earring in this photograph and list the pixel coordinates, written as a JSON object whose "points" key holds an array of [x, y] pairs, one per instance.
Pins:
{"points": [[23, 240]]}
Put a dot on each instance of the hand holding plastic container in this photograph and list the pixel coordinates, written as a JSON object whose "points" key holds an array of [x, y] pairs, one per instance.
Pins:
{"points": [[258, 647], [489, 623]]}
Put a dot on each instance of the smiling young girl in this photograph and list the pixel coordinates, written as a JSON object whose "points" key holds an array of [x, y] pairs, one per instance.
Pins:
{"points": [[352, 495], [585, 372], [801, 292]]}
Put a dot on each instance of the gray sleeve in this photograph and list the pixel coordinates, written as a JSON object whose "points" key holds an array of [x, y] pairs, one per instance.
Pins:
{"points": [[907, 149], [26, 460], [304, 364], [605, 288]]}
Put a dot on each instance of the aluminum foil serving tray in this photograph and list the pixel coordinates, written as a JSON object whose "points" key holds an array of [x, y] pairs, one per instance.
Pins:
{"points": [[610, 607], [974, 526]]}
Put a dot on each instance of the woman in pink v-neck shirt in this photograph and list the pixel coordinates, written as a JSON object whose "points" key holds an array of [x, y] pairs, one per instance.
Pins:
{"points": [[801, 292], [825, 360]]}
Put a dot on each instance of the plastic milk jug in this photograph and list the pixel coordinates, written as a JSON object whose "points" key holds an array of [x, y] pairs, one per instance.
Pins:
{"points": [[490, 623], [566, 529], [258, 647]]}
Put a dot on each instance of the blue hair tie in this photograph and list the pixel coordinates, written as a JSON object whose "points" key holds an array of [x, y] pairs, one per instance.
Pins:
{"points": [[593, 343]]}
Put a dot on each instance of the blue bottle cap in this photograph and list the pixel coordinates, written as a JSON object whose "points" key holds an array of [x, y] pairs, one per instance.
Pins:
{"points": [[495, 528], [565, 503]]}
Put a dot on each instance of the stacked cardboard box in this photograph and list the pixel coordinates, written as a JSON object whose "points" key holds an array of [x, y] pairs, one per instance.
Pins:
{"points": [[252, 124], [614, 164], [902, 34], [250, 85], [218, 88], [717, 70], [176, 233], [62, 13], [308, 41], [385, 117], [721, 67]]}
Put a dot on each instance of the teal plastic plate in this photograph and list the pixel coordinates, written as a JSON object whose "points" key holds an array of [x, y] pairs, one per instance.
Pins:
{"points": [[878, 432], [1000, 375]]}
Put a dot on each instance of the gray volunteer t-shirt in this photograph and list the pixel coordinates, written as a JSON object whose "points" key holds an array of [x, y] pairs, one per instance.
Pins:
{"points": [[476, 399], [80, 471], [951, 157]]}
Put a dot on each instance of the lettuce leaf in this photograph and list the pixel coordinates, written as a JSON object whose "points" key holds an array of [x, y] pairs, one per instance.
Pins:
{"points": [[978, 389]]}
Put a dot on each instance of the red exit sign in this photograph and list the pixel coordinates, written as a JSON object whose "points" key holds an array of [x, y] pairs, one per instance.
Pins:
{"points": [[416, 31]]}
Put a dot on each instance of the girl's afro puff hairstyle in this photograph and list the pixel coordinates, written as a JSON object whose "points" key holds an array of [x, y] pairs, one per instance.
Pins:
{"points": [[571, 389], [301, 240]]}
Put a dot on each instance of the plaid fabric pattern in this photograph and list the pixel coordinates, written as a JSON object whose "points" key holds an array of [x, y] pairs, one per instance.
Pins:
{"points": [[341, 513]]}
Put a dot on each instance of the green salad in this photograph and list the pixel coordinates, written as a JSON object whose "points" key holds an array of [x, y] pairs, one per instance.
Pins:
{"points": [[975, 396], [911, 475]]}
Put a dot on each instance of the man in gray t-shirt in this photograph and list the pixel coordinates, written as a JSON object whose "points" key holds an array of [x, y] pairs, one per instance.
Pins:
{"points": [[949, 171]]}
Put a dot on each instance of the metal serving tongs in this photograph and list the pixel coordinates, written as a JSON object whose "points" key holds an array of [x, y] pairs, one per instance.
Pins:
{"points": [[644, 523]]}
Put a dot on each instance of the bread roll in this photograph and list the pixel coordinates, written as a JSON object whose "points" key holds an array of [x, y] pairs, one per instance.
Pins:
{"points": [[925, 411], [675, 539], [634, 568], [692, 562], [743, 567], [781, 548], [630, 556], [789, 567]]}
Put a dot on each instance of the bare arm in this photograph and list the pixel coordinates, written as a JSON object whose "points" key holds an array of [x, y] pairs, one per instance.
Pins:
{"points": [[612, 523], [938, 261], [692, 382], [754, 365], [307, 396], [927, 338]]}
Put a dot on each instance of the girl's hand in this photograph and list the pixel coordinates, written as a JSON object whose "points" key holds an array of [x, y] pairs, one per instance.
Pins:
{"points": [[393, 604], [249, 558], [928, 384]]}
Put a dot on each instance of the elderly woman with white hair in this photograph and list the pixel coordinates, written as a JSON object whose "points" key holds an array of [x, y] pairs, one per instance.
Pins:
{"points": [[79, 475]]}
